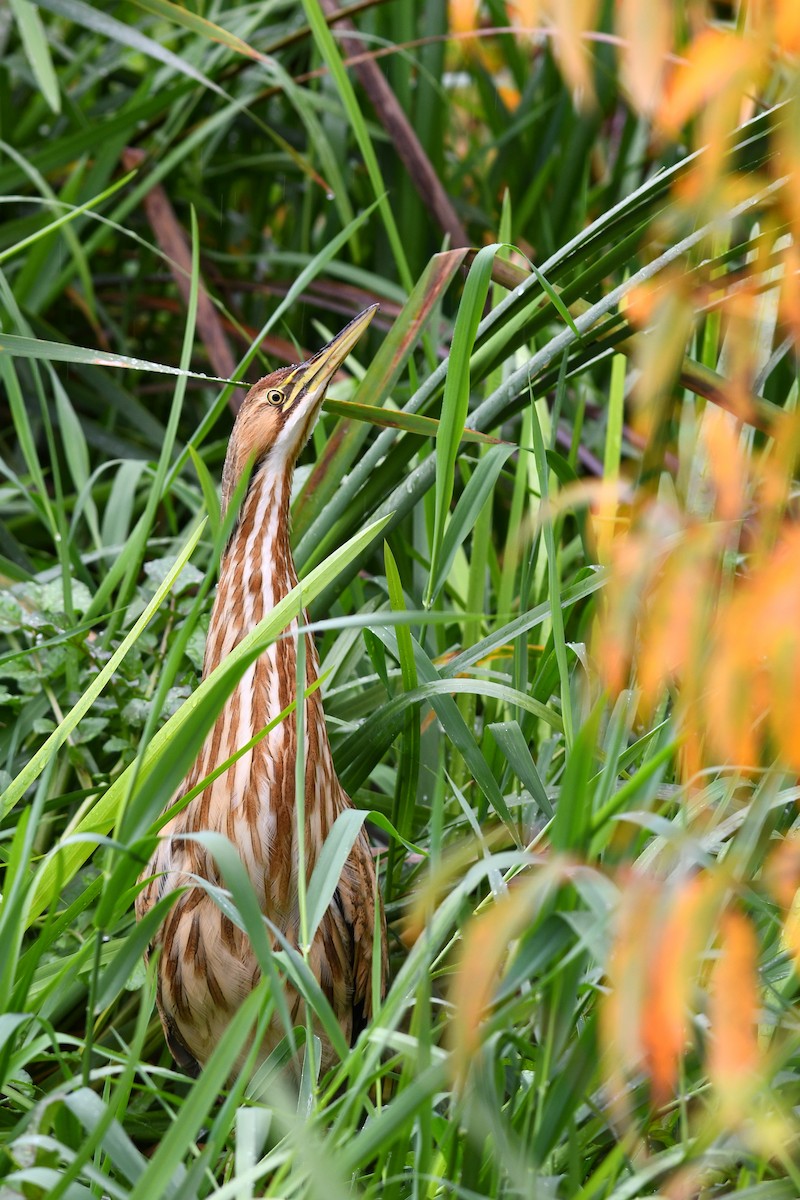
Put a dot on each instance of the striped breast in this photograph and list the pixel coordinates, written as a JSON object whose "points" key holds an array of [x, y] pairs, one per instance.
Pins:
{"points": [[207, 966]]}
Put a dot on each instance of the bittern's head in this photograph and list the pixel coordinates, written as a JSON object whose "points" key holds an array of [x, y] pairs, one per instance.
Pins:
{"points": [[279, 412]]}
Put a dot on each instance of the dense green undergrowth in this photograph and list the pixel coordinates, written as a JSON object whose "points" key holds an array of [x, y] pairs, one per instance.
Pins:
{"points": [[192, 195]]}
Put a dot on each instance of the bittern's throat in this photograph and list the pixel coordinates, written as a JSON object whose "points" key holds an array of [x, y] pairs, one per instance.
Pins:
{"points": [[207, 966]]}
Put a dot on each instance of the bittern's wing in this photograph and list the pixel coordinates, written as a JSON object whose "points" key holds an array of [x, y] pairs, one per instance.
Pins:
{"points": [[356, 901], [178, 1048]]}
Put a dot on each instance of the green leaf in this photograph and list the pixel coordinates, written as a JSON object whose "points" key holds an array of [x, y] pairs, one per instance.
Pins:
{"points": [[331, 56], [204, 28], [391, 418], [116, 974], [556, 300], [73, 212], [167, 1160], [34, 39], [210, 494], [328, 871], [127, 35], [511, 740], [455, 402], [479, 487], [92, 1112], [14, 346]]}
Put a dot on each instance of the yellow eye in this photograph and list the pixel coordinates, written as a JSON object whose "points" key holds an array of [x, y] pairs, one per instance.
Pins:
{"points": [[275, 396]]}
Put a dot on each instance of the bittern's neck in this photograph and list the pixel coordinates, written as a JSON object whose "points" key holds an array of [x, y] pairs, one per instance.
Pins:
{"points": [[257, 568]]}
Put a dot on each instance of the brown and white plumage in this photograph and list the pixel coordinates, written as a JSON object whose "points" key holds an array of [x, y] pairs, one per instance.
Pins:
{"points": [[206, 966]]}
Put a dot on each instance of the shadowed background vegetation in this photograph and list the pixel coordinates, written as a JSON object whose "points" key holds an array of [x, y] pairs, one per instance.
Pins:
{"points": [[545, 532]]}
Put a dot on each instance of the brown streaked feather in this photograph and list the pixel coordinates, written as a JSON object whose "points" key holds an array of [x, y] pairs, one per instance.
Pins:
{"points": [[206, 966]]}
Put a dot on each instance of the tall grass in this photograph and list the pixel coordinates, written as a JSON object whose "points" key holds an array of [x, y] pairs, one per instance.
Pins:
{"points": [[193, 194]]}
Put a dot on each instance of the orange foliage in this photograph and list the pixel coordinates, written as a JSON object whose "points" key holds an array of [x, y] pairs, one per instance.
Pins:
{"points": [[673, 951], [653, 972], [753, 677], [787, 163], [483, 954], [658, 601], [726, 467], [571, 21], [790, 290], [704, 571], [733, 1058], [645, 27], [719, 65], [463, 15], [735, 656], [640, 303], [677, 615], [524, 13], [787, 25], [620, 1012], [782, 878], [485, 947], [782, 871]]}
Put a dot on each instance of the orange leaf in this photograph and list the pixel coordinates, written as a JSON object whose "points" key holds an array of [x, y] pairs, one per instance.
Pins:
{"points": [[486, 943], [782, 878], [524, 13], [671, 978], [660, 354], [790, 288], [639, 303], [571, 22], [733, 697], [782, 871], [646, 29], [787, 25], [621, 1006], [733, 1058], [754, 672], [725, 463], [675, 626], [717, 62], [463, 15]]}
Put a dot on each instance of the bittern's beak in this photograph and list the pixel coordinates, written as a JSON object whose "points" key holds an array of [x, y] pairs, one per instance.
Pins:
{"points": [[312, 377]]}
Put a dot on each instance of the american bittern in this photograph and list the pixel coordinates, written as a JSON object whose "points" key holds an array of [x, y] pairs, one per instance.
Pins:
{"points": [[207, 965]]}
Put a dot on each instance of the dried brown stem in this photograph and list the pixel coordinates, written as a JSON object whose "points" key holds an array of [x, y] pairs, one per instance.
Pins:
{"points": [[408, 146], [174, 243]]}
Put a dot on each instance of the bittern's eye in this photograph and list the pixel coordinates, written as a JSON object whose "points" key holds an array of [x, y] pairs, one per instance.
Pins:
{"points": [[275, 396]]}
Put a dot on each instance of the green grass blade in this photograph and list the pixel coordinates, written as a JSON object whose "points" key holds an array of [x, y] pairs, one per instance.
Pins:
{"points": [[476, 493], [455, 402], [34, 39]]}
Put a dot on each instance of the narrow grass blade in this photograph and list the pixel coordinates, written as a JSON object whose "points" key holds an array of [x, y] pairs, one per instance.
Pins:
{"points": [[455, 402], [511, 741], [407, 782], [331, 56], [57, 223], [399, 419], [169, 1155], [127, 35], [194, 23], [34, 39], [467, 510], [553, 572], [328, 871], [36, 348], [116, 974]]}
